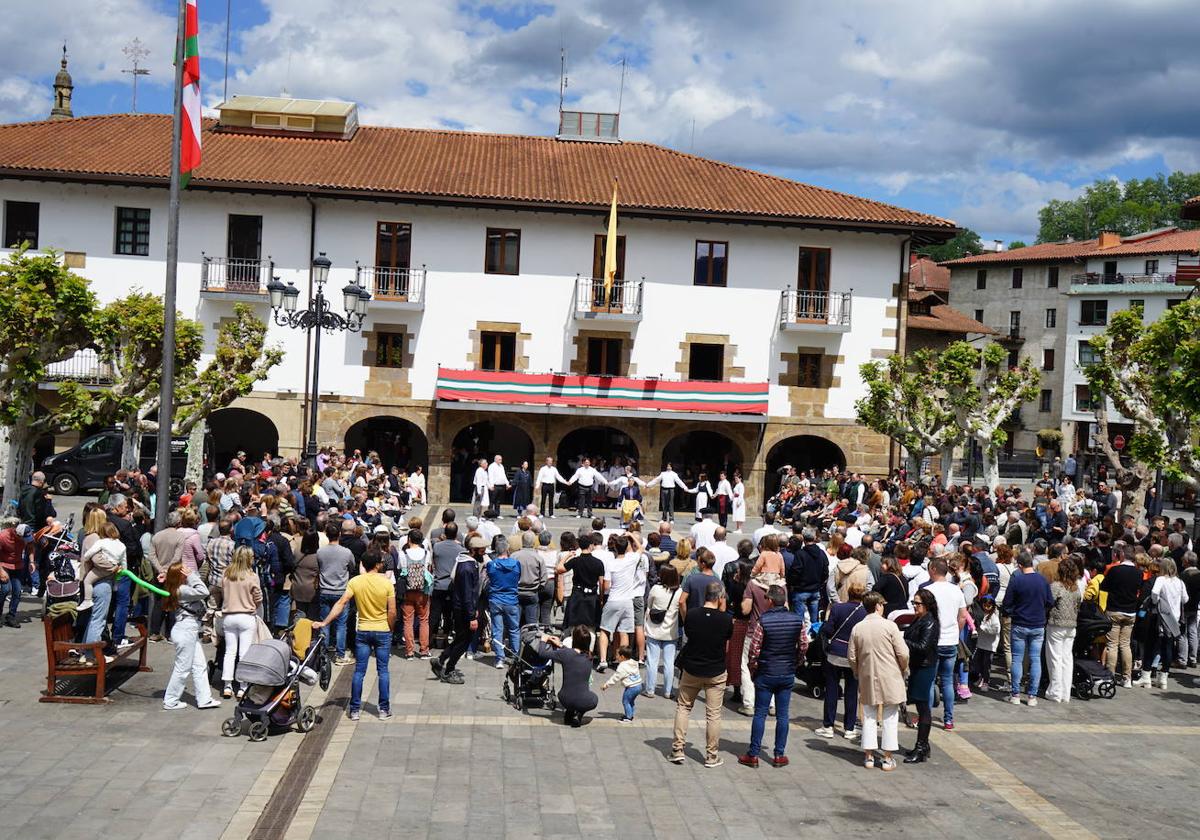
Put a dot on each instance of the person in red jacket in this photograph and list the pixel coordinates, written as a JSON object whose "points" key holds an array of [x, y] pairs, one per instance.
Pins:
{"points": [[14, 538]]}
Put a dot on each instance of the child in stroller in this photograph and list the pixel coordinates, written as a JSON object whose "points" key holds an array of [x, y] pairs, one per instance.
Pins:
{"points": [[274, 670], [1090, 678], [529, 680]]}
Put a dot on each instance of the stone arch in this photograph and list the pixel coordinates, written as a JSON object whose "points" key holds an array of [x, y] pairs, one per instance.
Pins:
{"points": [[237, 429], [486, 438], [703, 449], [802, 451], [398, 440]]}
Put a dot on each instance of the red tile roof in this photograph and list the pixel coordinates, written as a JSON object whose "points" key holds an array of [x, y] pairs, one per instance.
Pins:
{"points": [[924, 273], [1167, 241], [943, 318], [440, 164]]}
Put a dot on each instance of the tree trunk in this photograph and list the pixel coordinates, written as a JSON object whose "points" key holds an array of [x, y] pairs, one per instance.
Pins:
{"points": [[914, 465], [991, 467], [131, 442], [195, 455], [947, 465], [16, 446], [1133, 495]]}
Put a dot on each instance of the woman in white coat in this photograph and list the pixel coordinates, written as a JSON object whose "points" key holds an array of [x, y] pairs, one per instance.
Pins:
{"points": [[739, 502]]}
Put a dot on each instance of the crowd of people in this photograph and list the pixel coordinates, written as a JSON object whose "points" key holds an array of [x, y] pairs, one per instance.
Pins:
{"points": [[892, 596]]}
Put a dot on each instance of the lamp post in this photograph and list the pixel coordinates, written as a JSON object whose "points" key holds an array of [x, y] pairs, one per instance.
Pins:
{"points": [[320, 317]]}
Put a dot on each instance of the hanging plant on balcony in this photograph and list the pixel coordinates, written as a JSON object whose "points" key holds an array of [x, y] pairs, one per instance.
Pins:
{"points": [[1050, 438]]}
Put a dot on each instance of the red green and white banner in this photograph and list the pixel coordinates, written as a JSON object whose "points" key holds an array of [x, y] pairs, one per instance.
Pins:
{"points": [[189, 151], [484, 386]]}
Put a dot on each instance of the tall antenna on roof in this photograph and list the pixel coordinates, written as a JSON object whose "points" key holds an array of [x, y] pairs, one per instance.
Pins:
{"points": [[692, 147], [562, 75], [621, 93], [228, 10]]}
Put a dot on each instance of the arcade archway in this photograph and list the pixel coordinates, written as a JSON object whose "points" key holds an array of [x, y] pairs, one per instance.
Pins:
{"points": [[241, 430], [399, 442], [804, 452], [485, 439], [702, 451]]}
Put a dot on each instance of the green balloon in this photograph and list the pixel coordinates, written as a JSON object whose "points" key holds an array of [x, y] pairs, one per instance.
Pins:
{"points": [[164, 593]]}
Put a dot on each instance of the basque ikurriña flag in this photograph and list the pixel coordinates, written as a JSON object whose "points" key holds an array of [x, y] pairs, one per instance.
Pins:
{"points": [[189, 139]]}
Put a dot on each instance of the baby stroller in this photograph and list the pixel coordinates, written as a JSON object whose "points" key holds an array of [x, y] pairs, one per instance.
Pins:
{"points": [[811, 670], [529, 681], [1090, 678], [62, 581], [274, 670]]}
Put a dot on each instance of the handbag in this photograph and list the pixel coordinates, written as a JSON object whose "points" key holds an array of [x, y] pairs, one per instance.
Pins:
{"points": [[828, 635], [658, 616], [262, 633]]}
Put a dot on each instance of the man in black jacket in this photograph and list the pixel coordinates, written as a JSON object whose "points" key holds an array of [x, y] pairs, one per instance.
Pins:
{"points": [[1123, 583], [807, 575], [464, 600]]}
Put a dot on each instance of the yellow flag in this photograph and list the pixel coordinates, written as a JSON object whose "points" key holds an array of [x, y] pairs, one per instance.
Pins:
{"points": [[610, 248]]}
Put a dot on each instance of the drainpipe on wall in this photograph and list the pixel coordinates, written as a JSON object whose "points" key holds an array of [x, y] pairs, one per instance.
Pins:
{"points": [[308, 336]]}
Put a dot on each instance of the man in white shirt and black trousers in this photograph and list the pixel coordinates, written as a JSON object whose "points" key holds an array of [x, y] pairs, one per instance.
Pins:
{"points": [[587, 477], [669, 479], [547, 481], [497, 478]]}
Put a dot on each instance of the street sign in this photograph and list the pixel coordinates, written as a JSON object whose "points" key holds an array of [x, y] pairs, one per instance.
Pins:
{"points": [[1119, 442]]}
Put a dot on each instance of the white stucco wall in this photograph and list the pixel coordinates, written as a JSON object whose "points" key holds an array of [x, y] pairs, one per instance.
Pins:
{"points": [[450, 243]]}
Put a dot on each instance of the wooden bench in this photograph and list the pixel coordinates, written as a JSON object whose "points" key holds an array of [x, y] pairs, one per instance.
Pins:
{"points": [[60, 635]]}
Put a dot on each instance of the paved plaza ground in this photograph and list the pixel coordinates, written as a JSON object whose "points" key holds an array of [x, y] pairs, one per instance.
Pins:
{"points": [[457, 762]]}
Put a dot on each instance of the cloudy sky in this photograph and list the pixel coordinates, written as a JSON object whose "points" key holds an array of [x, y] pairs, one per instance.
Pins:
{"points": [[976, 111]]}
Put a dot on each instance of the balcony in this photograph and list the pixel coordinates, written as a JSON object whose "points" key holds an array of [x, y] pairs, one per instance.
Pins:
{"points": [[809, 311], [1099, 279], [233, 278], [1010, 334], [84, 367], [622, 303], [564, 393], [397, 288]]}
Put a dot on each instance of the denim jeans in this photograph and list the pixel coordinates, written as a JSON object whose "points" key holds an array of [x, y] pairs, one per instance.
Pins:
{"points": [[528, 603], [1027, 639], [807, 600], [944, 680], [339, 624], [656, 649], [765, 688], [1189, 640], [506, 619], [12, 590], [628, 696], [101, 598], [368, 643], [281, 609], [122, 590]]}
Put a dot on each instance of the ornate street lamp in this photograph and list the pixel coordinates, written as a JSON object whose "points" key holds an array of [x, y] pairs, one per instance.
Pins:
{"points": [[320, 317]]}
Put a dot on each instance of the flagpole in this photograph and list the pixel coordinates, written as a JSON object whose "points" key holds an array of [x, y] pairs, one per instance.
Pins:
{"points": [[166, 407]]}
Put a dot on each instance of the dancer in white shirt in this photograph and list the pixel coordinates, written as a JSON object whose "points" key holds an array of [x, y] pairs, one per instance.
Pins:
{"points": [[739, 503], [480, 487], [497, 478], [670, 480], [724, 497], [587, 477], [547, 483]]}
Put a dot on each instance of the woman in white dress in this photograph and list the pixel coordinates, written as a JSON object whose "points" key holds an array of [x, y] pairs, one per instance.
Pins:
{"points": [[739, 502], [703, 492], [416, 486]]}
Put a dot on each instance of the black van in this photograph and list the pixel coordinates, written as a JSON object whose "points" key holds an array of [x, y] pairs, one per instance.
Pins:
{"points": [[84, 467]]}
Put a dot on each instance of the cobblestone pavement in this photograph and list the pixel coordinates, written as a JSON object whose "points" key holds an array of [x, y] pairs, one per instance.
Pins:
{"points": [[456, 761]]}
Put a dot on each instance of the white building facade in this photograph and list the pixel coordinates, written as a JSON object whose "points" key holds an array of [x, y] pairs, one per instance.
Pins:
{"points": [[480, 252]]}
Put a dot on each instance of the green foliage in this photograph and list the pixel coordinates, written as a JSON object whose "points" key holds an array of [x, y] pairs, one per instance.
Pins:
{"points": [[1131, 207], [46, 314], [965, 244], [1016, 244], [1151, 372], [984, 390], [903, 401]]}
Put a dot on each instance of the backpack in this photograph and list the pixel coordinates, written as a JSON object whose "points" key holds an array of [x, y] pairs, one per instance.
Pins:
{"points": [[252, 531], [414, 570]]}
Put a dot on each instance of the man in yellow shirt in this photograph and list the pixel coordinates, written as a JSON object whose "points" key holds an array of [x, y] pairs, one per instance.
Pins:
{"points": [[375, 598]]}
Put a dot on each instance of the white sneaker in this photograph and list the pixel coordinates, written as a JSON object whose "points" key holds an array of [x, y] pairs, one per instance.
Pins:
{"points": [[1015, 699], [1127, 683], [213, 703], [853, 735], [499, 664], [1032, 701], [824, 731], [1162, 681], [469, 655]]}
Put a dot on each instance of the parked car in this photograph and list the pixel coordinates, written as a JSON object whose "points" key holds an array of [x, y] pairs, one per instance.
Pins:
{"points": [[95, 458]]}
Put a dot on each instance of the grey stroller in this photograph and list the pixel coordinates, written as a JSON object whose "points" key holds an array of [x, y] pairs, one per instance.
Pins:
{"points": [[273, 673]]}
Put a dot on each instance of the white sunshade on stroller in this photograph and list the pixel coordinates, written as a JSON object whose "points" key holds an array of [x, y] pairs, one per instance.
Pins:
{"points": [[265, 663]]}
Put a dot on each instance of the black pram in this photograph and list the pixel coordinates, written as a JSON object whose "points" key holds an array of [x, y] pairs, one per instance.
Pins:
{"points": [[529, 681], [1090, 678]]}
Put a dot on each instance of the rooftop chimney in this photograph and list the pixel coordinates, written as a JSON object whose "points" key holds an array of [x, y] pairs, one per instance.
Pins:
{"points": [[1108, 239]]}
